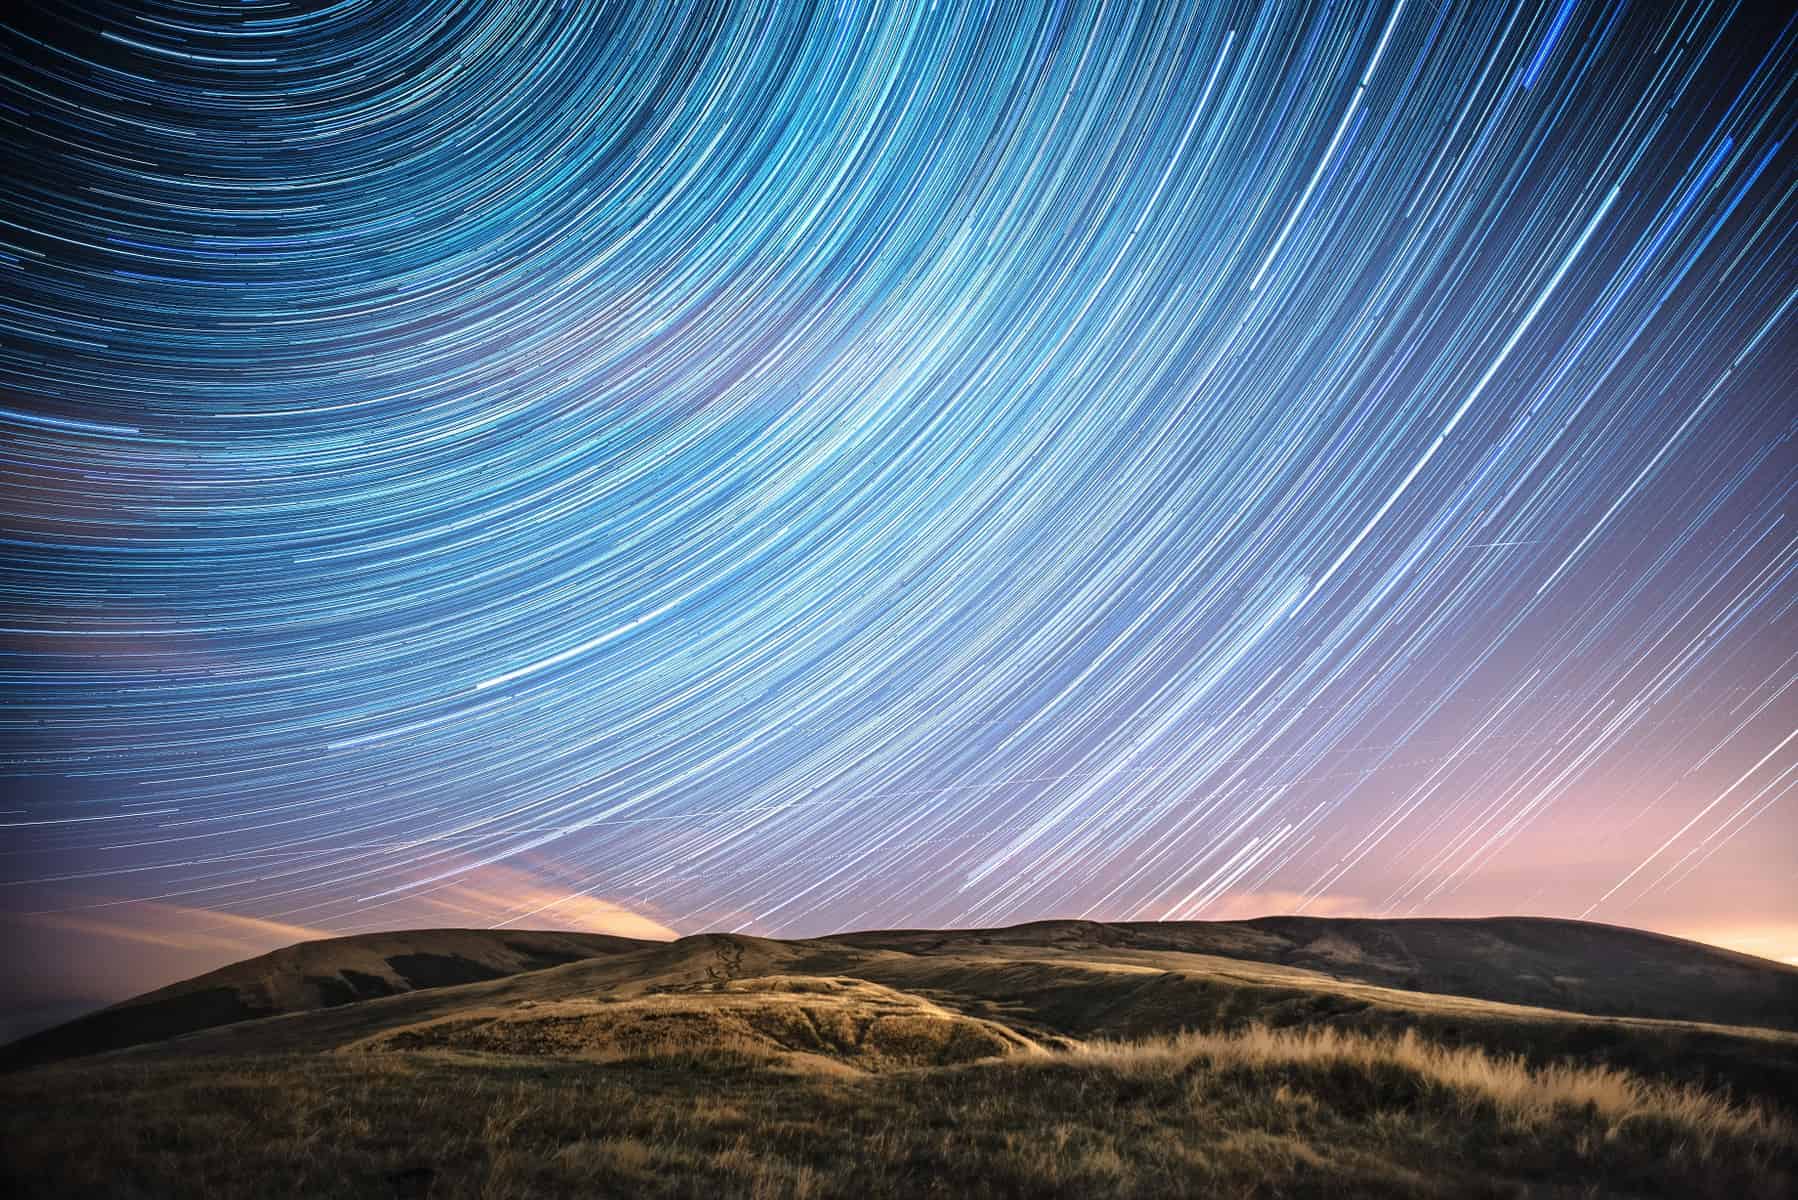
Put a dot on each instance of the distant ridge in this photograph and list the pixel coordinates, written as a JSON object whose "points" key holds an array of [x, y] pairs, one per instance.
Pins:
{"points": [[1057, 969], [312, 975], [1574, 966]]}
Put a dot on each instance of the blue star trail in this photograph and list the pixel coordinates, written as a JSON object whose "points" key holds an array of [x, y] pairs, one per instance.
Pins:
{"points": [[789, 467]]}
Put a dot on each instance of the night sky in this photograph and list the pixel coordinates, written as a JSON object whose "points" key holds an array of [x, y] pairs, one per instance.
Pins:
{"points": [[783, 469]]}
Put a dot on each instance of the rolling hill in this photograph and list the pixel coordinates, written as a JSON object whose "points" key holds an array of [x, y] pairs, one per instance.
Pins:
{"points": [[1570, 967], [311, 975], [1573, 965], [1299, 1057]]}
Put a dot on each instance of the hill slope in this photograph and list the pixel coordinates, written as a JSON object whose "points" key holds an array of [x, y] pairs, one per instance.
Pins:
{"points": [[312, 975], [1567, 966], [1055, 984], [1576, 966], [1055, 1060]]}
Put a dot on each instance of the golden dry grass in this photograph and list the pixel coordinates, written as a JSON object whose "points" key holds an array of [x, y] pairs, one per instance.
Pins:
{"points": [[1254, 1113], [1531, 1096], [736, 1067], [776, 1019], [1047, 993]]}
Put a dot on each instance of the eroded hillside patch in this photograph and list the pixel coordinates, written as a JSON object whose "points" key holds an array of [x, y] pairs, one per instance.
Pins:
{"points": [[726, 1022]]}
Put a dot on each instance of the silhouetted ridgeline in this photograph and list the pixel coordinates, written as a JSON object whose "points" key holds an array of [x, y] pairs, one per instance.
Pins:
{"points": [[311, 975], [1576, 966], [1073, 978]]}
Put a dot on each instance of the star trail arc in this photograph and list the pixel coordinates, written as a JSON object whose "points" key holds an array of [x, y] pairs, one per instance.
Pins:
{"points": [[783, 467]]}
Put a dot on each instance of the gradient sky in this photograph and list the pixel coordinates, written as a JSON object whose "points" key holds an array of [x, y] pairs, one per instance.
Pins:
{"points": [[785, 468]]}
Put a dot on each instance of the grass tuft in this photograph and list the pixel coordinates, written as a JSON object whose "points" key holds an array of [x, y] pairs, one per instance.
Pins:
{"points": [[1407, 1064], [1298, 1113]]}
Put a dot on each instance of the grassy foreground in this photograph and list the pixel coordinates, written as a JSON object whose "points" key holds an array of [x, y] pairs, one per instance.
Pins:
{"points": [[1252, 1113]]}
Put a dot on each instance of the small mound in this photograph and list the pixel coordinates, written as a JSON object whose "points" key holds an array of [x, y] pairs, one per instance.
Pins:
{"points": [[738, 1022]]}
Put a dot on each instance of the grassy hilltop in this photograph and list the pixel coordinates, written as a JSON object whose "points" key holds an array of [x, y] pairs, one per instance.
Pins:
{"points": [[1058, 1059]]}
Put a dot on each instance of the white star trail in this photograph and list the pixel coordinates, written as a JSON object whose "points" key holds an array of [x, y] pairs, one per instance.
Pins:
{"points": [[781, 465]]}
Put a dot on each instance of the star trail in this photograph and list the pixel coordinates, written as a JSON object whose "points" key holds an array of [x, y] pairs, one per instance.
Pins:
{"points": [[783, 467]]}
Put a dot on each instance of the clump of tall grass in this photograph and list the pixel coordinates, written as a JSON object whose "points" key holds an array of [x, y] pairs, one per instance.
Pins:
{"points": [[1525, 1095], [1315, 1113]]}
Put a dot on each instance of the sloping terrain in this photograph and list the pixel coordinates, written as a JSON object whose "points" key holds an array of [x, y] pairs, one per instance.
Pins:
{"points": [[1088, 979], [312, 975], [1055, 991], [1057, 1059], [501, 1109], [795, 1020], [1576, 966]]}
